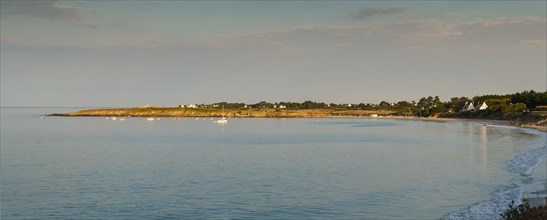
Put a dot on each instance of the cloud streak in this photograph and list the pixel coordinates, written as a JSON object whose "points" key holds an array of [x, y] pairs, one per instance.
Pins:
{"points": [[374, 11], [447, 36], [44, 9]]}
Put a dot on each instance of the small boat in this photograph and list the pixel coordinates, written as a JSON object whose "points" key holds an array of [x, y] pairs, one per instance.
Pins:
{"points": [[222, 120], [122, 119], [150, 119], [113, 118]]}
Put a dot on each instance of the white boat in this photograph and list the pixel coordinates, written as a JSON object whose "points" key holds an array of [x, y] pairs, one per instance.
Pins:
{"points": [[150, 119], [222, 120], [113, 118], [122, 119]]}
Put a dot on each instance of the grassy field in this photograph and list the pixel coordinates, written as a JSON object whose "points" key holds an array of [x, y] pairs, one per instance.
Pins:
{"points": [[210, 112]]}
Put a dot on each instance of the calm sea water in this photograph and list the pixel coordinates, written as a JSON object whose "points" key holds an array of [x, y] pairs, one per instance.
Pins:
{"points": [[67, 168]]}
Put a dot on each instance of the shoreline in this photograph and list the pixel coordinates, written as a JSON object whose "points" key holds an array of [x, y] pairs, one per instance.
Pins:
{"points": [[535, 126], [232, 113], [517, 192], [301, 113]]}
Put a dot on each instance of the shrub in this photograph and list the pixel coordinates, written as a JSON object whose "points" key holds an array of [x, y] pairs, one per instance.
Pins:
{"points": [[541, 108], [525, 212], [519, 107]]}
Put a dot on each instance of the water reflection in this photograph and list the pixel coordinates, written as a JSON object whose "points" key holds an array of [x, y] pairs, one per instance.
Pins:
{"points": [[477, 149], [221, 124], [483, 136], [471, 139]]}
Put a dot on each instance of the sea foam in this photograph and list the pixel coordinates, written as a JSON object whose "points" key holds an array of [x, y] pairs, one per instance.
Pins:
{"points": [[523, 164], [491, 209]]}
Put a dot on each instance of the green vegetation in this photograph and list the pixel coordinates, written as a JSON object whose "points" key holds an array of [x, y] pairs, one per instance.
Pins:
{"points": [[428, 106], [527, 106], [531, 98]]}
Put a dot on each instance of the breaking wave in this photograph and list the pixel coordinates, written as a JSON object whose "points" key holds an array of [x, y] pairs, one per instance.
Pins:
{"points": [[491, 209], [523, 164]]}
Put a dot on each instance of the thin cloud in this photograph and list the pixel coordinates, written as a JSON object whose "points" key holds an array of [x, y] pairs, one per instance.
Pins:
{"points": [[427, 29], [44, 9], [314, 29], [373, 11], [442, 36]]}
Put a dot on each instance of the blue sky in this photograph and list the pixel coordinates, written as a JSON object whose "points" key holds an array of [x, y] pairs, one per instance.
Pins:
{"points": [[131, 53]]}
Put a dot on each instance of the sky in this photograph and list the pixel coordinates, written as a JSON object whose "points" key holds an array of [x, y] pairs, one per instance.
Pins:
{"points": [[133, 53]]}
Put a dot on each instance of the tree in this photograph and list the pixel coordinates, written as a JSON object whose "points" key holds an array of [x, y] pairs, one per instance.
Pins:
{"points": [[519, 107], [309, 105], [262, 105], [530, 98], [404, 104], [456, 104], [384, 104]]}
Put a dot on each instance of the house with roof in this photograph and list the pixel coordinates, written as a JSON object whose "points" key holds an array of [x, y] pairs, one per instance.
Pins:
{"points": [[484, 106], [468, 107]]}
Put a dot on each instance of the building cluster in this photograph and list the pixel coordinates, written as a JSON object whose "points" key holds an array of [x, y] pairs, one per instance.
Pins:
{"points": [[188, 106], [218, 106], [470, 107]]}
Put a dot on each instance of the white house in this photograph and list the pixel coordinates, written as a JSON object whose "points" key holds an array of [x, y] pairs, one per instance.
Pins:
{"points": [[468, 107], [484, 106], [282, 106]]}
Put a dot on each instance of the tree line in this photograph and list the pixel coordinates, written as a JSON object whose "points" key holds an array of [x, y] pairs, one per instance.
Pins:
{"points": [[425, 106]]}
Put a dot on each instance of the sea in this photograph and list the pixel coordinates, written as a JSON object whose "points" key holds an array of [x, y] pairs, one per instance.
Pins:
{"points": [[258, 168]]}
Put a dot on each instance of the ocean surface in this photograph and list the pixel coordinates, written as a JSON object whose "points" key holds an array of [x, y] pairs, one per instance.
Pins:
{"points": [[94, 168]]}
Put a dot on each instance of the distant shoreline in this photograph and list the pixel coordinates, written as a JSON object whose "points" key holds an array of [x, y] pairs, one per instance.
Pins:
{"points": [[540, 125], [213, 112]]}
